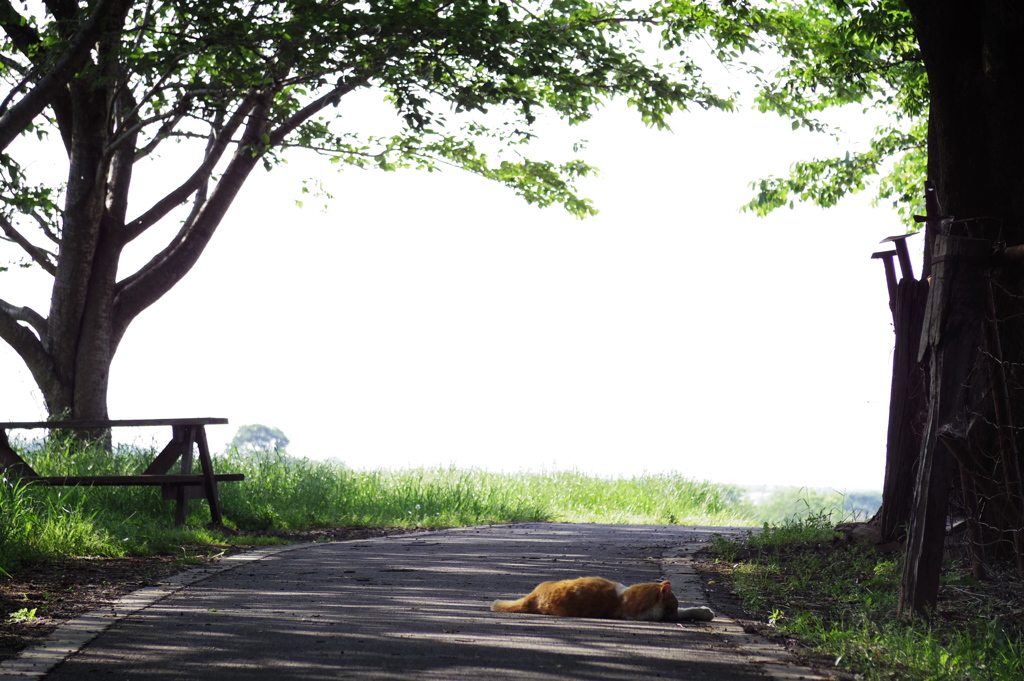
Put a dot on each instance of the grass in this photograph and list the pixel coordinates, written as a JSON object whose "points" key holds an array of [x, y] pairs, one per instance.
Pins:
{"points": [[787, 504], [842, 602], [280, 491], [283, 493]]}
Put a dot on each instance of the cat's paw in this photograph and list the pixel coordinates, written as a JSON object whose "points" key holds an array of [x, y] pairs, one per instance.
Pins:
{"points": [[700, 613]]}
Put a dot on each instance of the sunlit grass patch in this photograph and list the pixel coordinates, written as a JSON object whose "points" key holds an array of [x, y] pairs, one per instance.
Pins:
{"points": [[842, 601], [283, 493], [286, 492], [37, 523], [667, 499], [783, 505]]}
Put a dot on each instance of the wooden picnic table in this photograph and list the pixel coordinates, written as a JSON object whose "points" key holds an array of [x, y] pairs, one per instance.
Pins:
{"points": [[185, 433]]}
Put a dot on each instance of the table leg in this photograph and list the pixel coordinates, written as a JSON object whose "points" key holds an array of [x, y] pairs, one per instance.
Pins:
{"points": [[186, 435], [174, 450], [10, 462], [206, 462]]}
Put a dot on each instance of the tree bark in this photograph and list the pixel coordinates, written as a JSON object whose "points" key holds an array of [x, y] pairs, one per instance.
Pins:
{"points": [[974, 58], [75, 288]]}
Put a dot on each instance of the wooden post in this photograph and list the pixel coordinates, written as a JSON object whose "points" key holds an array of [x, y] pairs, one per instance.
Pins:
{"points": [[949, 344], [906, 409], [209, 482], [890, 276], [907, 299], [187, 436], [902, 253]]}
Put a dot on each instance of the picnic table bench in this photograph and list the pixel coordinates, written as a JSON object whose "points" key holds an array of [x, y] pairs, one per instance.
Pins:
{"points": [[185, 433]]}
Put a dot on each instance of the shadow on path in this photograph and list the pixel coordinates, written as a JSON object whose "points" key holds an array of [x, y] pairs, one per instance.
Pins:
{"points": [[417, 606]]}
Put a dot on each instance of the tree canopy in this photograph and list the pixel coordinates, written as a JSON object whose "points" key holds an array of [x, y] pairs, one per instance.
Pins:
{"points": [[209, 91], [106, 86], [809, 57], [256, 437]]}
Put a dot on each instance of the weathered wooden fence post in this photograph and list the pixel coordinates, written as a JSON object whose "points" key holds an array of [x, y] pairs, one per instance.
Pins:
{"points": [[907, 298], [949, 345], [906, 406]]}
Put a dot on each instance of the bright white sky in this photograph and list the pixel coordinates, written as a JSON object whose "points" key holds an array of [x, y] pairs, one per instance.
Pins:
{"points": [[435, 319]]}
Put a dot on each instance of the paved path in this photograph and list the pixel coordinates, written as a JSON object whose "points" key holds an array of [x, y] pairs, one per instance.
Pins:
{"points": [[417, 607]]}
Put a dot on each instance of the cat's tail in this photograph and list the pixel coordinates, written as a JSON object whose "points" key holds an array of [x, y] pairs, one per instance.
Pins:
{"points": [[509, 606], [700, 614]]}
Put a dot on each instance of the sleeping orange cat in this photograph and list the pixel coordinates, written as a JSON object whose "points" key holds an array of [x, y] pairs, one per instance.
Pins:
{"points": [[597, 597]]}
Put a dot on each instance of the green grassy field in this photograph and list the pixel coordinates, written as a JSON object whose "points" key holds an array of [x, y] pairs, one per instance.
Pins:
{"points": [[286, 493]]}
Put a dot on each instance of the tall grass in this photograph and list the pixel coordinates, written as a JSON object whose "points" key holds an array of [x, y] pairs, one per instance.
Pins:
{"points": [[283, 493], [34, 525], [792, 504], [658, 499]]}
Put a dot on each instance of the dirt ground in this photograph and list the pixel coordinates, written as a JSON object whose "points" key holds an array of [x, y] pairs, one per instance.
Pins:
{"points": [[63, 590]]}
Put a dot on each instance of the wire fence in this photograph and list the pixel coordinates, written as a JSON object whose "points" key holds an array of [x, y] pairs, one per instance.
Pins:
{"points": [[987, 499]]}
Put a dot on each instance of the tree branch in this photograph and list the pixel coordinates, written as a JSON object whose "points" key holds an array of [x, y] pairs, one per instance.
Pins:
{"points": [[46, 228], [146, 286], [122, 163], [17, 29], [173, 117], [31, 349], [159, 275], [31, 317], [27, 41], [167, 268], [14, 121], [37, 254], [62, 9], [163, 133], [278, 135], [168, 72], [187, 188]]}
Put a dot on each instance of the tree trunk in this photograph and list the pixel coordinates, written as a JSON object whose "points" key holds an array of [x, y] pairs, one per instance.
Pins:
{"points": [[89, 308], [77, 336], [974, 57]]}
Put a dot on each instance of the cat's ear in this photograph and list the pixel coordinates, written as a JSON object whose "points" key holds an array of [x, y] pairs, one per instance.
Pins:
{"points": [[666, 587]]}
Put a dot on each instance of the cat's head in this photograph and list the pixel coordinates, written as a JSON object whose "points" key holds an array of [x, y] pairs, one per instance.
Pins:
{"points": [[668, 598], [650, 601]]}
